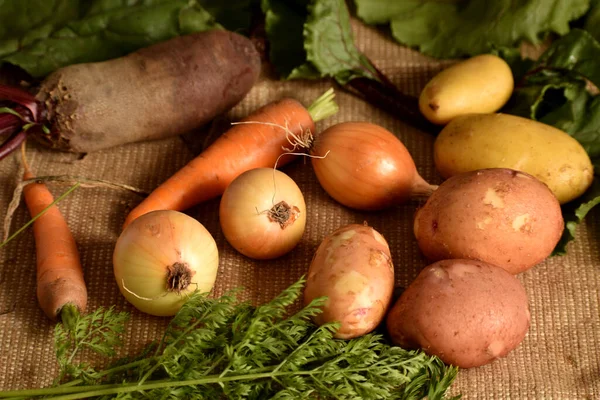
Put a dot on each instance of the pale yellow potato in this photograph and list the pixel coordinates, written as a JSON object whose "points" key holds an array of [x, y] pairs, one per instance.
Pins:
{"points": [[504, 217], [479, 141], [353, 268], [481, 84], [468, 313]]}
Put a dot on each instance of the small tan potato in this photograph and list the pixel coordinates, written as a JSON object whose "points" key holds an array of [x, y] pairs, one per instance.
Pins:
{"points": [[353, 268], [481, 84], [468, 313], [478, 141], [500, 216]]}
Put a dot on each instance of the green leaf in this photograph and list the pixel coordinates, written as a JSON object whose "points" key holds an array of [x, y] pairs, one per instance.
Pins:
{"points": [[329, 43], [234, 15], [578, 52], [220, 348], [284, 26], [68, 32], [574, 213], [382, 11], [448, 29], [556, 92], [592, 20], [313, 40], [100, 331], [107, 35], [17, 21]]}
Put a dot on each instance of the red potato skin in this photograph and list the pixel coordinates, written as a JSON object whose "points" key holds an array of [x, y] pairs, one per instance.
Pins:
{"points": [[159, 91], [501, 216], [353, 268], [466, 312]]}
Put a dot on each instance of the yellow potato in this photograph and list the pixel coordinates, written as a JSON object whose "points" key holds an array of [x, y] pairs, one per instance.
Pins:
{"points": [[481, 84], [479, 141]]}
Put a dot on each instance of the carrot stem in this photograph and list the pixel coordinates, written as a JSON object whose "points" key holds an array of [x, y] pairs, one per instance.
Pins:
{"points": [[68, 314], [324, 106]]}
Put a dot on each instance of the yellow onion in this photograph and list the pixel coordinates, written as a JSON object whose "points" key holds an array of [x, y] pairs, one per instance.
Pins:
{"points": [[161, 257], [262, 213], [366, 167]]}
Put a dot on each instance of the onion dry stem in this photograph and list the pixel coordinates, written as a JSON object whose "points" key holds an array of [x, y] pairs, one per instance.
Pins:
{"points": [[179, 277], [283, 214]]}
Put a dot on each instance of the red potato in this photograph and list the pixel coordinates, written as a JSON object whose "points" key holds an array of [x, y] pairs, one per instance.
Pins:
{"points": [[353, 268], [466, 312], [501, 216], [163, 90]]}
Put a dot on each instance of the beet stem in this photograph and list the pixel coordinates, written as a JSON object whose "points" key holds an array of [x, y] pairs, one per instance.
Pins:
{"points": [[22, 97], [10, 124], [26, 106], [12, 143], [387, 97]]}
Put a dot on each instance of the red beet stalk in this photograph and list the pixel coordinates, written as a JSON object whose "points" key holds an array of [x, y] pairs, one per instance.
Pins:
{"points": [[28, 109]]}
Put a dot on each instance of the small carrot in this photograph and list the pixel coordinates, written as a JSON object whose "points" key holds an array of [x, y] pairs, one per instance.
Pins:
{"points": [[61, 289], [259, 140]]}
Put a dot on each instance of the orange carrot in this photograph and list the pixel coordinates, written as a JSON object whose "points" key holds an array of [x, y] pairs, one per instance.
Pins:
{"points": [[60, 283], [258, 141]]}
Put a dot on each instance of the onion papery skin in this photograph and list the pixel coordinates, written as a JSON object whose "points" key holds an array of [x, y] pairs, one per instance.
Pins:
{"points": [[153, 244], [244, 217], [366, 167]]}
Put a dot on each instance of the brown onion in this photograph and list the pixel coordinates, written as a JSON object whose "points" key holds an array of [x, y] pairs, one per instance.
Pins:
{"points": [[366, 167]]}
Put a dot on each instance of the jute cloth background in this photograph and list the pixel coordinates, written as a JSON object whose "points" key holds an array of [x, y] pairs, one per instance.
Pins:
{"points": [[559, 358]]}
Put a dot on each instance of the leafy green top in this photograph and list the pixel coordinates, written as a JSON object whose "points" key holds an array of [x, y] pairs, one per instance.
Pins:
{"points": [[220, 348], [99, 331], [312, 40], [43, 35], [448, 29]]}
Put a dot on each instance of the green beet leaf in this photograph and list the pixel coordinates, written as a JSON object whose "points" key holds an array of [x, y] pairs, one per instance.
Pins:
{"points": [[447, 29], [330, 45], [18, 25], [69, 32], [574, 215], [234, 15], [284, 25], [592, 19], [313, 40]]}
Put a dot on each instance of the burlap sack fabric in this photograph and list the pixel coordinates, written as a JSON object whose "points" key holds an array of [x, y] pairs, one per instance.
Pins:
{"points": [[559, 358]]}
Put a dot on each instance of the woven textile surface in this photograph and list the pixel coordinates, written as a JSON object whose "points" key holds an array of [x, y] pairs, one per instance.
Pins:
{"points": [[559, 358]]}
